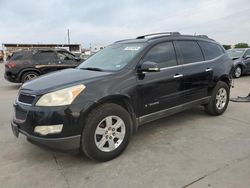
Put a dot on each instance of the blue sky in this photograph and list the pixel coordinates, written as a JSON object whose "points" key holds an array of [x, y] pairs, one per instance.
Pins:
{"points": [[102, 22]]}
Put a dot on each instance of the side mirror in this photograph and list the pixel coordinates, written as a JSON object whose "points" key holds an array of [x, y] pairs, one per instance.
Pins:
{"points": [[149, 66], [77, 58], [247, 57]]}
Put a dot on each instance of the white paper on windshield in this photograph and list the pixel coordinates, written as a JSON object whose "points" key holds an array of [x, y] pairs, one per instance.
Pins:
{"points": [[130, 48]]}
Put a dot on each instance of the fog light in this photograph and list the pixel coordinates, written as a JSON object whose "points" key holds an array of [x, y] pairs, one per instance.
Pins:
{"points": [[48, 129]]}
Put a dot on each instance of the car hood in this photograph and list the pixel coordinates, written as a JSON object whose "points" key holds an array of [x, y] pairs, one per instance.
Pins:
{"points": [[61, 79]]}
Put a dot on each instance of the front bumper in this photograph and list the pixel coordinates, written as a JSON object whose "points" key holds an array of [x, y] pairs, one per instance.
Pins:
{"points": [[27, 117], [70, 143]]}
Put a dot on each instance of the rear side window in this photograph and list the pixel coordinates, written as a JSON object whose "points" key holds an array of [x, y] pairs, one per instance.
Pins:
{"points": [[163, 54], [210, 50], [44, 56], [24, 55], [188, 52]]}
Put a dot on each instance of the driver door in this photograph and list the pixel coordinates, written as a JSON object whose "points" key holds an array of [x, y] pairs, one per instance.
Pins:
{"points": [[160, 90]]}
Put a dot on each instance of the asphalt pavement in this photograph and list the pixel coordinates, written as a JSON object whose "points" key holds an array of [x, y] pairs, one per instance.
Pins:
{"points": [[189, 149]]}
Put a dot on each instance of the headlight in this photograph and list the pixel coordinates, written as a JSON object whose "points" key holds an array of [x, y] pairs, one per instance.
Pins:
{"points": [[61, 97]]}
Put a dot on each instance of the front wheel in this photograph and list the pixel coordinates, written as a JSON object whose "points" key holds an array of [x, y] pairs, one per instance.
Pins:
{"points": [[219, 99], [237, 72], [106, 133]]}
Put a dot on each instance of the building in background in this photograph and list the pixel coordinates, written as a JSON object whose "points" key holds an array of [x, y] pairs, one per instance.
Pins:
{"points": [[9, 48]]}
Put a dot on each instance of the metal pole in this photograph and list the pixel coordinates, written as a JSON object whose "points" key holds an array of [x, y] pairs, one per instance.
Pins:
{"points": [[68, 37]]}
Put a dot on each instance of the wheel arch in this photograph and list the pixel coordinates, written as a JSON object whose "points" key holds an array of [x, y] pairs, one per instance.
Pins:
{"points": [[23, 71], [226, 79], [118, 99]]}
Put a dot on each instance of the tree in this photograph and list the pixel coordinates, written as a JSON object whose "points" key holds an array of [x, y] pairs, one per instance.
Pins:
{"points": [[241, 45], [227, 47]]}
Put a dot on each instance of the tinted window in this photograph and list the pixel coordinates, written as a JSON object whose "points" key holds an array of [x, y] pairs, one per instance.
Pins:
{"points": [[65, 56], [247, 53], [44, 56], [24, 55], [189, 52], [210, 50], [163, 54]]}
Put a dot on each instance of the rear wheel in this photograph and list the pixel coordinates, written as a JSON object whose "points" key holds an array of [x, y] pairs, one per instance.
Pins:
{"points": [[106, 133], [237, 72], [30, 75], [219, 99]]}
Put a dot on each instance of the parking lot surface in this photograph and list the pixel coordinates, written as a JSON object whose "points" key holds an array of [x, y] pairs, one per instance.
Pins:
{"points": [[189, 149]]}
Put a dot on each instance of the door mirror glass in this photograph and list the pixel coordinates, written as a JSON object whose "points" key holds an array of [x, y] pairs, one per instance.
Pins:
{"points": [[149, 66]]}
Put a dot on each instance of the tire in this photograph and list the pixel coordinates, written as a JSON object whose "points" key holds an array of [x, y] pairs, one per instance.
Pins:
{"points": [[29, 76], [99, 141], [219, 99], [237, 72]]}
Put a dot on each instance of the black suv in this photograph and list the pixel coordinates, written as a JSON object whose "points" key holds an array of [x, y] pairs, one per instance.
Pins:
{"points": [[97, 106], [241, 58], [28, 64]]}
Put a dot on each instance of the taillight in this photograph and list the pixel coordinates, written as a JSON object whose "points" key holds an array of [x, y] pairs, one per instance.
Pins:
{"points": [[10, 64]]}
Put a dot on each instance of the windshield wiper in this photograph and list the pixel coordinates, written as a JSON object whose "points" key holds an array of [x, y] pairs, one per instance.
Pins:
{"points": [[92, 68]]}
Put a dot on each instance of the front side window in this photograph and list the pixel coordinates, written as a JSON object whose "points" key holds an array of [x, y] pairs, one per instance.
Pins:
{"points": [[188, 52], [163, 54], [210, 50], [113, 57], [65, 56]]}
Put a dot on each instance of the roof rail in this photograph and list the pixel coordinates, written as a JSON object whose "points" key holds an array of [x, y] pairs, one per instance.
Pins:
{"points": [[202, 36], [155, 34]]}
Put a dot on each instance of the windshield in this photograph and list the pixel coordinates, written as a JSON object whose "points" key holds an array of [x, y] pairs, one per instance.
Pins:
{"points": [[236, 53], [113, 57]]}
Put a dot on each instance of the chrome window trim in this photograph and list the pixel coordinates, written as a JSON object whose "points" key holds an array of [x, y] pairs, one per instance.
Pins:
{"points": [[194, 63]]}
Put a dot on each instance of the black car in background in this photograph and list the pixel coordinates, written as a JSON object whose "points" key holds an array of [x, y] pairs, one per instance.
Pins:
{"points": [[241, 58], [97, 106], [29, 64]]}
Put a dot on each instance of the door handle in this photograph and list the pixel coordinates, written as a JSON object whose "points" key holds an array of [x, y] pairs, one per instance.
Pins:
{"points": [[208, 69], [178, 75]]}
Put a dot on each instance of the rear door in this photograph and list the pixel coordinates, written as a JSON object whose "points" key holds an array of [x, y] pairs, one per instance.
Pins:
{"points": [[45, 61], [159, 90], [196, 73]]}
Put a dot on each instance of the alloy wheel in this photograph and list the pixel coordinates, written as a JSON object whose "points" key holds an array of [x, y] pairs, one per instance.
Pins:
{"points": [[237, 72], [30, 77], [221, 98], [109, 133]]}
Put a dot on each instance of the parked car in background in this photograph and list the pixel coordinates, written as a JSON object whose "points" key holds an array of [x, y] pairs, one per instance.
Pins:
{"points": [[1, 55], [241, 58], [97, 106], [29, 64]]}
